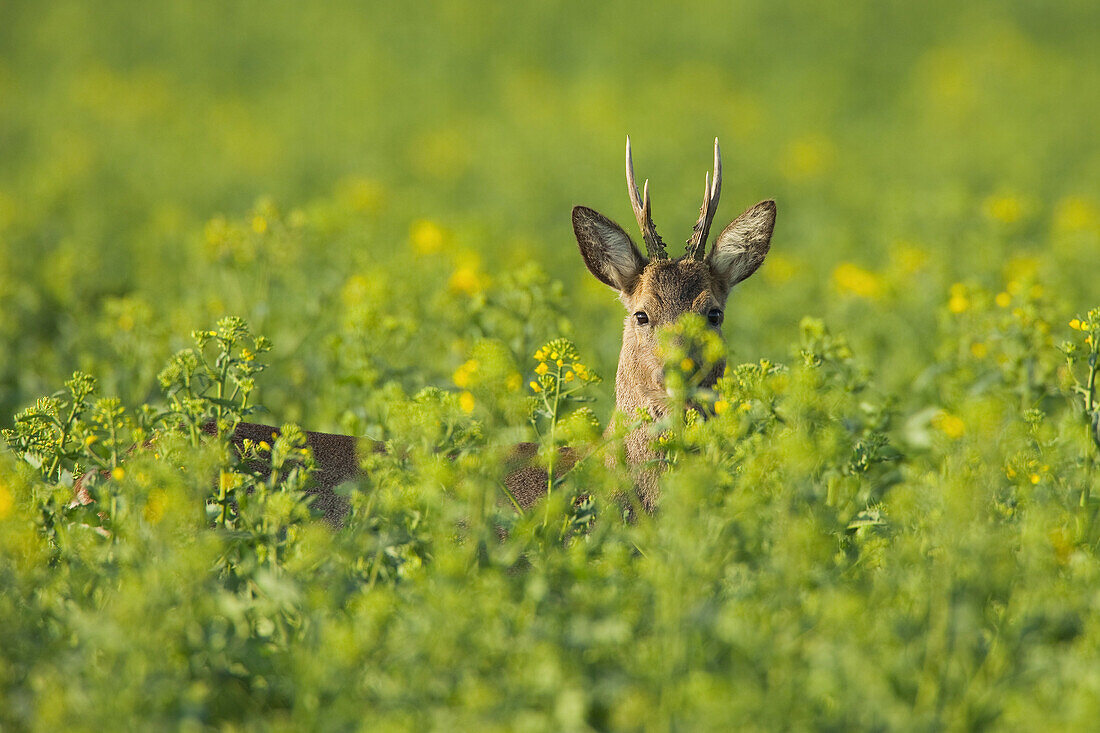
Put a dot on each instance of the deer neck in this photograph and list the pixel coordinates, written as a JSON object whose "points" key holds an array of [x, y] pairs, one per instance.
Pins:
{"points": [[639, 383], [638, 380]]}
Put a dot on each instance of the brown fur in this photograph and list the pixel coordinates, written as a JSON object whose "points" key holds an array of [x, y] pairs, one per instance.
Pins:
{"points": [[337, 461], [665, 290], [339, 458]]}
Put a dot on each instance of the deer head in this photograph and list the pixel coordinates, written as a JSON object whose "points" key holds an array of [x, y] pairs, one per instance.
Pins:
{"points": [[657, 290]]}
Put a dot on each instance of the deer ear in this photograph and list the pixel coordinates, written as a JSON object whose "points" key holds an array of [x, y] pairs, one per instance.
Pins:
{"points": [[742, 246], [608, 251]]}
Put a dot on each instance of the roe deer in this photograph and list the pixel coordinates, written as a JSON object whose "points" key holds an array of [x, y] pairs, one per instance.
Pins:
{"points": [[655, 289]]}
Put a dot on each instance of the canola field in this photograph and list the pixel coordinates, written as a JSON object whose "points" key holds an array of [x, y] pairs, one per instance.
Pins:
{"points": [[355, 218]]}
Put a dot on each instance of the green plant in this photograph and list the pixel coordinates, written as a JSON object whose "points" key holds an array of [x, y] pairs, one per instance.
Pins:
{"points": [[883, 523], [1082, 365], [561, 378]]}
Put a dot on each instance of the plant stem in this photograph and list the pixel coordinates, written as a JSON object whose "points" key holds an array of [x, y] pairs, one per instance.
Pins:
{"points": [[192, 428], [1090, 387], [512, 498], [553, 446], [114, 443], [55, 465], [223, 496], [219, 410], [1090, 426]]}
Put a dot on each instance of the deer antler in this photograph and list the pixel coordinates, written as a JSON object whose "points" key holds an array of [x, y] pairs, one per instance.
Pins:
{"points": [[697, 243], [655, 248]]}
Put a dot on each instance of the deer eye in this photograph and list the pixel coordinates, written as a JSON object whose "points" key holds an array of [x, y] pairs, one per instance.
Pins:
{"points": [[641, 318], [715, 317]]}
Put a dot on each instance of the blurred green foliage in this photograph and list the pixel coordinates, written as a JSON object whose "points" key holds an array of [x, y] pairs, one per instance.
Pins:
{"points": [[889, 520]]}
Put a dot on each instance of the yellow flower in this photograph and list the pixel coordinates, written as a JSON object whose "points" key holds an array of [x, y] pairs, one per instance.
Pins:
{"points": [[1075, 214], [1075, 324], [950, 425], [263, 445], [1003, 299], [1005, 209], [542, 368], [909, 257], [6, 501], [463, 376], [978, 349], [720, 406], [854, 280], [117, 473], [91, 439], [259, 224], [536, 387], [687, 365], [466, 402], [958, 304], [467, 280], [426, 237], [570, 376], [1035, 478]]}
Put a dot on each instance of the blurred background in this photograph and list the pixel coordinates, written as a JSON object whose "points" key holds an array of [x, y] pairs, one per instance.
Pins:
{"points": [[363, 180]]}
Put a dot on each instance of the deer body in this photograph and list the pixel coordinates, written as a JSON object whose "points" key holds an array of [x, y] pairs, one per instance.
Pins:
{"points": [[338, 460], [655, 289]]}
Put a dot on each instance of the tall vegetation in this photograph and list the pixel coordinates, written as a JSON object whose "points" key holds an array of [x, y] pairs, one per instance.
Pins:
{"points": [[884, 516]]}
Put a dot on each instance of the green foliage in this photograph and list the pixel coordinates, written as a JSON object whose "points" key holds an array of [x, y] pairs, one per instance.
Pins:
{"points": [[561, 380], [258, 494], [201, 390], [817, 540], [1082, 366], [883, 515]]}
